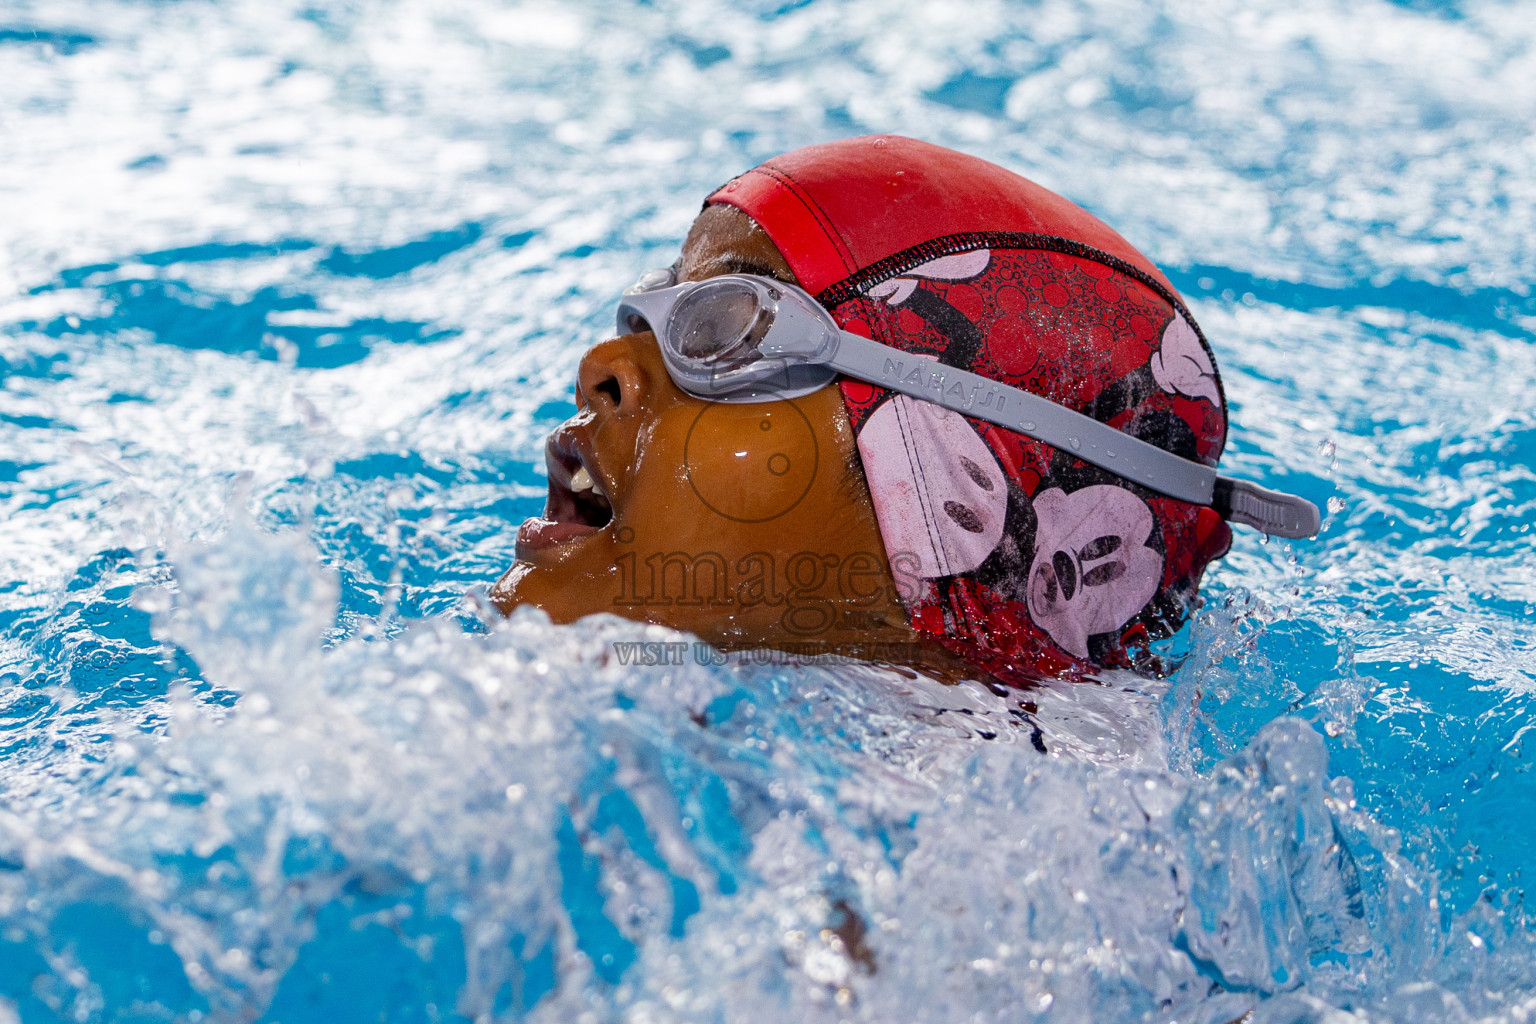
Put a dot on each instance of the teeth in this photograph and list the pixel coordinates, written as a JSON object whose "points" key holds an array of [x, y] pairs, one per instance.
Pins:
{"points": [[581, 480]]}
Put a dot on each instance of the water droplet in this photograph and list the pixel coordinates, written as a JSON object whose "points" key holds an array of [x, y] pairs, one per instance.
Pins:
{"points": [[1337, 504], [1029, 424], [1077, 445]]}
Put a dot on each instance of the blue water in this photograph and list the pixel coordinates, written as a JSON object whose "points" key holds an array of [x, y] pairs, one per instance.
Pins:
{"points": [[289, 294]]}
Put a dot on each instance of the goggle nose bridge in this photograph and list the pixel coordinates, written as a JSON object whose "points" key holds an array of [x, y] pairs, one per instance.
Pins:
{"points": [[635, 324]]}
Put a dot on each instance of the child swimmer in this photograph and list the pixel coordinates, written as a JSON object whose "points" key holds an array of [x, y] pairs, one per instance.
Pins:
{"points": [[1013, 476]]}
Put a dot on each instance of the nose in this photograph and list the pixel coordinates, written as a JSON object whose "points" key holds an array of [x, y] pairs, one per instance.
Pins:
{"points": [[616, 377]]}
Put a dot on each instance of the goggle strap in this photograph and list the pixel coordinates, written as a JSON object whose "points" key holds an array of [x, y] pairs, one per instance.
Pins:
{"points": [[1026, 413], [1086, 438]]}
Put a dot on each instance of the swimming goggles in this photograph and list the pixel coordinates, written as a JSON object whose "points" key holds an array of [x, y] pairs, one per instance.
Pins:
{"points": [[744, 338]]}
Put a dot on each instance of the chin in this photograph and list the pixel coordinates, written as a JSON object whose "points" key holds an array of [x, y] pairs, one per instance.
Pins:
{"points": [[507, 594]]}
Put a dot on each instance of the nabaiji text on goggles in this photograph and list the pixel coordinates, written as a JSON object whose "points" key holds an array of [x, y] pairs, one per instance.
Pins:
{"points": [[744, 338]]}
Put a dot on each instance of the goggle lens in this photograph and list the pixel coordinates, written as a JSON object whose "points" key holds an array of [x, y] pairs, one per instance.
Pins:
{"points": [[720, 323]]}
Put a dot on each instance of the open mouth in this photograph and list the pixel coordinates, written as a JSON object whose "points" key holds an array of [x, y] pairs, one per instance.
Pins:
{"points": [[581, 500], [577, 505]]}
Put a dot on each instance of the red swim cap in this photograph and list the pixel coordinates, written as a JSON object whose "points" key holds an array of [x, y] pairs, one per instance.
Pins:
{"points": [[1017, 556]]}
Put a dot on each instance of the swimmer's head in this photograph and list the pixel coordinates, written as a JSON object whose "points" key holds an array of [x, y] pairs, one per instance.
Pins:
{"points": [[854, 513]]}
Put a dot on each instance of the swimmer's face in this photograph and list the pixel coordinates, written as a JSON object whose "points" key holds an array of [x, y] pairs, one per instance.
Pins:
{"points": [[745, 522]]}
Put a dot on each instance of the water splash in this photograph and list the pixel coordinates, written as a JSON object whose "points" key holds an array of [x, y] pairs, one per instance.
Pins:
{"points": [[517, 824]]}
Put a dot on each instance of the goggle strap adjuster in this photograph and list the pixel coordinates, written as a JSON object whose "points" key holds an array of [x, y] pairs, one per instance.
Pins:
{"points": [[1272, 512]]}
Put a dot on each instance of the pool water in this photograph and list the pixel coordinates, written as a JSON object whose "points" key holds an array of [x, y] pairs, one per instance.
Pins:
{"points": [[289, 295]]}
